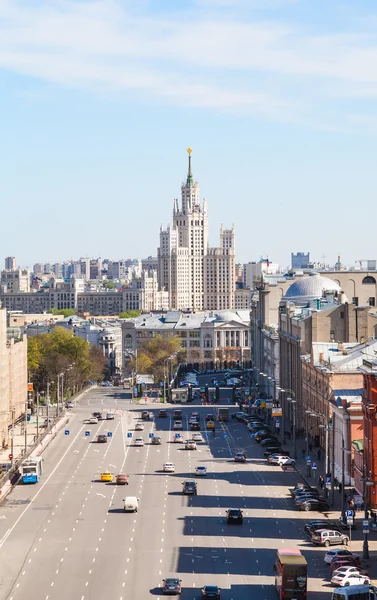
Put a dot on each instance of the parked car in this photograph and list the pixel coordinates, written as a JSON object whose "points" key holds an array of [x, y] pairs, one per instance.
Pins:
{"points": [[320, 524], [273, 459], [271, 450], [337, 553], [351, 579], [350, 570], [344, 561], [308, 504], [286, 461], [329, 537]]}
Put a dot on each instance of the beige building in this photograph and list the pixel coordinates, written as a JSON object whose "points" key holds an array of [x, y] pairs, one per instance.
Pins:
{"points": [[143, 294], [13, 378], [360, 287], [15, 281], [219, 273]]}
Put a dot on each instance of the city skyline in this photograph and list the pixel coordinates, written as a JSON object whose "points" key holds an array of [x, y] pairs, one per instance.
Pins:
{"points": [[276, 99]]}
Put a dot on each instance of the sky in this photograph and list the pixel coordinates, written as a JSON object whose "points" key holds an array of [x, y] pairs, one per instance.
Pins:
{"points": [[101, 98]]}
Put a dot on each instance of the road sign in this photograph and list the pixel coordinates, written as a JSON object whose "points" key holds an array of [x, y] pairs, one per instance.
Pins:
{"points": [[308, 458], [66, 432], [349, 520], [205, 435], [314, 465], [129, 434], [328, 480], [109, 434], [349, 513], [308, 462], [151, 435], [10, 456], [277, 423], [87, 433], [225, 435]]}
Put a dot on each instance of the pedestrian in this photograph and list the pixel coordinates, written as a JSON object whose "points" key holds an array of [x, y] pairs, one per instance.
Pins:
{"points": [[310, 447], [319, 454], [336, 483], [321, 481], [340, 487], [303, 452]]}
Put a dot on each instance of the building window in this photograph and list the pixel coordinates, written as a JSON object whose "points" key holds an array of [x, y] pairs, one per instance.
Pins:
{"points": [[369, 280], [332, 335], [372, 301], [355, 301]]}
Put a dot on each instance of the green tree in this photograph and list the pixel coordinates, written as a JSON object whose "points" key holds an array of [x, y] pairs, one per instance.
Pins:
{"points": [[153, 354], [33, 354], [130, 314], [109, 284]]}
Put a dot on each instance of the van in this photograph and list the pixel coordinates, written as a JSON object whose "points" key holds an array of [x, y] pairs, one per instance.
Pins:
{"points": [[329, 537], [131, 504]]}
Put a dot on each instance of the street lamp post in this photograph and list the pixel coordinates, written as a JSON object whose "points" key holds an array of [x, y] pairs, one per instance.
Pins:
{"points": [[293, 404]]}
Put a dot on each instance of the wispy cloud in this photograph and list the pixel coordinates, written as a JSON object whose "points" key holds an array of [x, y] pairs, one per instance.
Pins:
{"points": [[199, 60]]}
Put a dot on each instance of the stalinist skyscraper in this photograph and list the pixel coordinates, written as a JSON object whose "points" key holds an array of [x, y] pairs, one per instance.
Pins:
{"points": [[183, 251]]}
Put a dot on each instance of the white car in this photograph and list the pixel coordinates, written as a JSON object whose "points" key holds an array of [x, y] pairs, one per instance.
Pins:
{"points": [[93, 420], [286, 460], [351, 579], [139, 442], [334, 552], [139, 427], [273, 459], [343, 571], [197, 437], [200, 470], [169, 467], [177, 425]]}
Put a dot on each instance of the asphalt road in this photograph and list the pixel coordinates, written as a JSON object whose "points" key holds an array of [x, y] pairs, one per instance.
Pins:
{"points": [[68, 537]]}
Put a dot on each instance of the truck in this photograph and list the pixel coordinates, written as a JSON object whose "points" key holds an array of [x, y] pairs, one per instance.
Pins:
{"points": [[31, 470], [223, 414], [291, 574]]}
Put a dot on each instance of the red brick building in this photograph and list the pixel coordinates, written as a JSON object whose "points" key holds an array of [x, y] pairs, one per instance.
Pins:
{"points": [[370, 437]]}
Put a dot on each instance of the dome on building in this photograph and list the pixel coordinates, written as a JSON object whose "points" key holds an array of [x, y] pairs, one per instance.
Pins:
{"points": [[226, 316], [311, 287]]}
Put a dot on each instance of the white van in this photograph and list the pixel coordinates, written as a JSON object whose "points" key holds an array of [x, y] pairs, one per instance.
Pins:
{"points": [[131, 504]]}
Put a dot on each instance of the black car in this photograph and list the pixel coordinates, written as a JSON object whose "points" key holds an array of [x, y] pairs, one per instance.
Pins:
{"points": [[98, 415], [313, 504], [320, 524], [171, 585], [234, 515], [262, 435], [239, 416], [307, 493], [271, 450], [300, 488], [270, 441], [163, 414], [190, 487], [195, 426], [211, 591]]}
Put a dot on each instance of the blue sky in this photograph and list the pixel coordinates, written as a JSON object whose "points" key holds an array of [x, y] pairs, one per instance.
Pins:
{"points": [[100, 99]]}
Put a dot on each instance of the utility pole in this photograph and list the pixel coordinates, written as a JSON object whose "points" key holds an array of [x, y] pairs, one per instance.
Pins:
{"points": [[48, 402], [12, 440], [62, 390], [57, 399], [26, 409], [37, 415]]}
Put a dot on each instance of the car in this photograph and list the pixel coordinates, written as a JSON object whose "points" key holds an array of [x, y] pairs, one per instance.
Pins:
{"points": [[102, 439], [195, 414], [93, 420], [156, 440], [171, 585], [351, 579], [190, 445], [234, 515], [306, 492], [337, 553], [210, 417], [349, 570], [313, 504], [271, 450], [106, 476], [211, 591], [261, 435], [195, 426], [178, 425], [110, 416], [189, 487], [210, 425], [145, 415], [197, 437], [286, 460], [201, 470], [344, 561], [299, 487], [162, 414], [122, 479], [168, 467], [329, 537], [177, 415], [237, 415], [308, 496], [270, 441], [178, 439], [192, 420], [273, 459], [69, 405], [139, 442], [139, 427], [319, 524], [97, 414], [240, 457]]}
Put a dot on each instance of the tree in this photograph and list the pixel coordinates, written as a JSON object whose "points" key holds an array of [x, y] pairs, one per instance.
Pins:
{"points": [[109, 284], [153, 354], [33, 354], [66, 312], [130, 314]]}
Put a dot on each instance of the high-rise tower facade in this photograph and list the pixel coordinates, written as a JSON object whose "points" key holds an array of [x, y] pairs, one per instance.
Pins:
{"points": [[183, 268]]}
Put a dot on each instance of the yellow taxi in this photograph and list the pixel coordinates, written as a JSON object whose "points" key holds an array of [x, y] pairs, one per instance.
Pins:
{"points": [[106, 476], [210, 425]]}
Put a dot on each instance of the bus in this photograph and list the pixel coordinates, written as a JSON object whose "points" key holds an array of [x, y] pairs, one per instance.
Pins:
{"points": [[31, 470], [291, 574], [179, 395], [355, 592], [127, 383]]}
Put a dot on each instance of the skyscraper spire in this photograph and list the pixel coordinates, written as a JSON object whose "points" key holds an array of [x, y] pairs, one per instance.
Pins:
{"points": [[190, 179]]}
